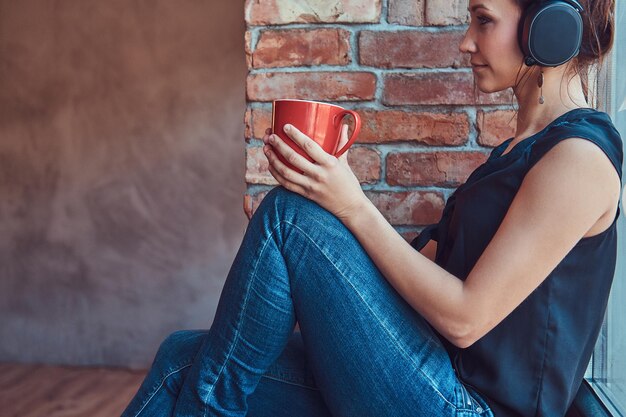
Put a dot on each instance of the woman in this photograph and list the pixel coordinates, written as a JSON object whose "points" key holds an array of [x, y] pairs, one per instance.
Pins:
{"points": [[497, 311]]}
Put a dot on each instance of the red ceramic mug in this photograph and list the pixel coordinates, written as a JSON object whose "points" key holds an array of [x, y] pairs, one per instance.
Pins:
{"points": [[319, 121]]}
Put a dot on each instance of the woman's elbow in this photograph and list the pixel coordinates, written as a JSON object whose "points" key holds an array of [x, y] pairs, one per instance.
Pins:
{"points": [[463, 342], [471, 332], [461, 334]]}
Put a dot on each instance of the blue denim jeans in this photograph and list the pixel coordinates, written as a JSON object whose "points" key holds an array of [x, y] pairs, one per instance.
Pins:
{"points": [[362, 350]]}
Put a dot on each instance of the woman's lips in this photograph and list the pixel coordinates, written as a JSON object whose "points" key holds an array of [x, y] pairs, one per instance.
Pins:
{"points": [[478, 66]]}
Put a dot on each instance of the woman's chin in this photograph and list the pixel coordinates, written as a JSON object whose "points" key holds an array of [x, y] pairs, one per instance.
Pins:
{"points": [[484, 87]]}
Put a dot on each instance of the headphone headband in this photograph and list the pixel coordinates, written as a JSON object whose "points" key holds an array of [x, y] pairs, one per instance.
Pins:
{"points": [[574, 3]]}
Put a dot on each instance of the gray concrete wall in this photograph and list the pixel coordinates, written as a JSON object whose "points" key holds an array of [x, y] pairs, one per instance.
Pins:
{"points": [[121, 173]]}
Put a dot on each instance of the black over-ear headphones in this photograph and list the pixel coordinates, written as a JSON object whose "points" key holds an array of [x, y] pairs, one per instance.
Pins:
{"points": [[550, 32]]}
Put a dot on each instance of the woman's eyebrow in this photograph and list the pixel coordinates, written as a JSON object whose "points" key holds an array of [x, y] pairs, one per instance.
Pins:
{"points": [[477, 6]]}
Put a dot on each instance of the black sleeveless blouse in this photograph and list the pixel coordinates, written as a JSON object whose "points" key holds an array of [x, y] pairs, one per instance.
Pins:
{"points": [[532, 363]]}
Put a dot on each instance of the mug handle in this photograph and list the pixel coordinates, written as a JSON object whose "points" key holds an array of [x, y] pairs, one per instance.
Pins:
{"points": [[355, 133]]}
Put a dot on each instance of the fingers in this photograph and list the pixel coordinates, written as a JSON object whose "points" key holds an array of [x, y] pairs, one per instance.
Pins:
{"points": [[309, 146], [268, 132], [284, 172], [291, 156], [287, 184]]}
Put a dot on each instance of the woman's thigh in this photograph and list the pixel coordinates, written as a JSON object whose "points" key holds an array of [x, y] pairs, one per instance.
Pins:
{"points": [[371, 353]]}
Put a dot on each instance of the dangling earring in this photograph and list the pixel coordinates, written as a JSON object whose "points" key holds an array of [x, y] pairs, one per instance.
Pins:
{"points": [[540, 85]]}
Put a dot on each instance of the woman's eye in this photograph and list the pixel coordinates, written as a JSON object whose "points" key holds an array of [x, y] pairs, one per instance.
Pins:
{"points": [[483, 20]]}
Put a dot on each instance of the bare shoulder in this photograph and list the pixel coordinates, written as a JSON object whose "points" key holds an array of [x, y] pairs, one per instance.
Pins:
{"points": [[581, 149], [582, 166]]}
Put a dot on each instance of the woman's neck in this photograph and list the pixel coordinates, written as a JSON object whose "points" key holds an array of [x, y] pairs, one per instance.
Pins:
{"points": [[561, 94]]}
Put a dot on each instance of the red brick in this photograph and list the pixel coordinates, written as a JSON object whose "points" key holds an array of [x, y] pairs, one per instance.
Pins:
{"points": [[494, 127], [399, 208], [412, 49], [302, 47], [429, 88], [456, 88], [256, 121], [446, 12], [408, 208], [406, 12], [442, 129], [444, 169], [281, 12], [257, 167], [365, 163], [251, 202], [329, 86]]}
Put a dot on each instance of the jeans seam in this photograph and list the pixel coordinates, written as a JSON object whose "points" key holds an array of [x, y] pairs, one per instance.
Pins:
{"points": [[395, 342], [466, 399], [243, 310], [159, 387], [289, 382]]}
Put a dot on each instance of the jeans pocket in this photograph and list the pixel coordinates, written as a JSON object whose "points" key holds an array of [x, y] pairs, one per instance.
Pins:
{"points": [[470, 403]]}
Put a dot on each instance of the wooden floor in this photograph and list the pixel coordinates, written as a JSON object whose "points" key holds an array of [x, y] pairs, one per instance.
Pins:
{"points": [[60, 391]]}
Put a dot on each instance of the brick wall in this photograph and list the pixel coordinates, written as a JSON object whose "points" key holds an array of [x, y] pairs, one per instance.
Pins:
{"points": [[396, 62]]}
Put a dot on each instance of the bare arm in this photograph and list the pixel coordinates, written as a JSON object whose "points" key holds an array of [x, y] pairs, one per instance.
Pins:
{"points": [[557, 203]]}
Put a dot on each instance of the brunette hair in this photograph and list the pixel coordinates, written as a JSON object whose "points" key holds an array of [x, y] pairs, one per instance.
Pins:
{"points": [[597, 39]]}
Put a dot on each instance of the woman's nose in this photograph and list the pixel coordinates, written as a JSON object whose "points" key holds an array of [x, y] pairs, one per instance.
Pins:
{"points": [[467, 45]]}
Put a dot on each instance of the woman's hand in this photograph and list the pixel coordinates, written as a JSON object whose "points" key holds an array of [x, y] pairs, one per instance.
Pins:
{"points": [[329, 181]]}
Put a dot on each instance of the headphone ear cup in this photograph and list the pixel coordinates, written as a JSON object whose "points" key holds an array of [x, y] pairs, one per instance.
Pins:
{"points": [[551, 33]]}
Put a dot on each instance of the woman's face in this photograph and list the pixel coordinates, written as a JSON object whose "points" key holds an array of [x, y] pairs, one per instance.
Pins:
{"points": [[491, 40]]}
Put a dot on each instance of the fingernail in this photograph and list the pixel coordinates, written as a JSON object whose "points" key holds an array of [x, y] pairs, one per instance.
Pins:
{"points": [[287, 127], [271, 139]]}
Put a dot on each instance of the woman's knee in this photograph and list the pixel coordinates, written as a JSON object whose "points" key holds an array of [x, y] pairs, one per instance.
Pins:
{"points": [[279, 197], [290, 206]]}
